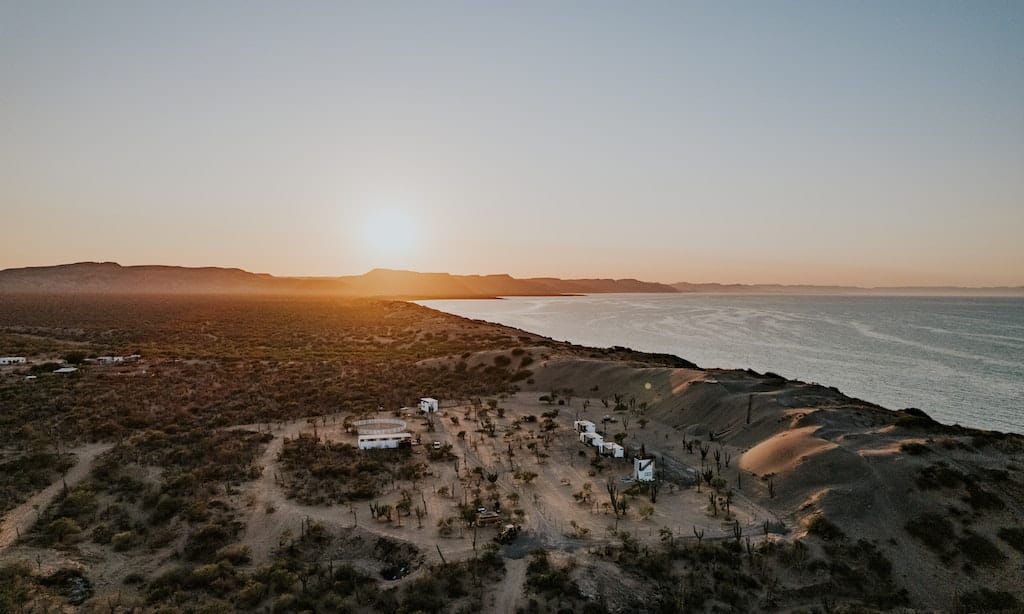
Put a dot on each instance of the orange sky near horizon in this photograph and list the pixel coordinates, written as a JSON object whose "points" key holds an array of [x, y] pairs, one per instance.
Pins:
{"points": [[796, 142]]}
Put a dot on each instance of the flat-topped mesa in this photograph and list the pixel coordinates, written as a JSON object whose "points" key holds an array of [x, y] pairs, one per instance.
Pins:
{"points": [[113, 278]]}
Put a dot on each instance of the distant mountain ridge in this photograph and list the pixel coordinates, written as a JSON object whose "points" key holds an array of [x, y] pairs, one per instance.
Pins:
{"points": [[113, 278]]}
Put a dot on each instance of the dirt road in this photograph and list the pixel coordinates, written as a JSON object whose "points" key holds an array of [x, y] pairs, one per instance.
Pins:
{"points": [[19, 520]]}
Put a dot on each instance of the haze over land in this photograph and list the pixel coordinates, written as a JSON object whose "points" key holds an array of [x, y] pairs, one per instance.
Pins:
{"points": [[110, 277]]}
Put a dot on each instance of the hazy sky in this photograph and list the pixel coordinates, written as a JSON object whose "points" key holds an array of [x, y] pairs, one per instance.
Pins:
{"points": [[822, 142]]}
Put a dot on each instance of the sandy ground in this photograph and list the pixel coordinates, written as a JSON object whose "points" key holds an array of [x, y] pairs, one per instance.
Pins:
{"points": [[19, 520], [823, 452], [549, 509]]}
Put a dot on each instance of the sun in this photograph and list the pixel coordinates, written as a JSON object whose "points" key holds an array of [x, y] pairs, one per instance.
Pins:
{"points": [[389, 232]]}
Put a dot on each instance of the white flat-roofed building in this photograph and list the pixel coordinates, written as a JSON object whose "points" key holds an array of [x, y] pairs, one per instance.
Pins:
{"points": [[643, 469], [12, 360], [584, 426], [66, 370], [613, 449], [384, 441], [428, 405], [592, 439]]}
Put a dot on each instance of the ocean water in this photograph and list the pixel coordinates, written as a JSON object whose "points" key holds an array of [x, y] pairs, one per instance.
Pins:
{"points": [[959, 359]]}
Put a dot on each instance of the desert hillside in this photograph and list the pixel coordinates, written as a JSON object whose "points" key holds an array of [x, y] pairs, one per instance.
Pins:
{"points": [[215, 468]]}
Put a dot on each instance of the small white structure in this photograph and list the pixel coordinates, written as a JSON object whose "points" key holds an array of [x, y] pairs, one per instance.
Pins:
{"points": [[613, 449], [592, 439], [66, 370], [643, 469], [385, 441], [111, 360], [428, 405], [379, 426], [584, 426], [12, 360]]}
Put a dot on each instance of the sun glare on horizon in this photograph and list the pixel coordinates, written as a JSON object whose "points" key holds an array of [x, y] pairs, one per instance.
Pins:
{"points": [[390, 235]]}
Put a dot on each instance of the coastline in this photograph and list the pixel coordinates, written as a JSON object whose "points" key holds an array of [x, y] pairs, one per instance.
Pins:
{"points": [[848, 362]]}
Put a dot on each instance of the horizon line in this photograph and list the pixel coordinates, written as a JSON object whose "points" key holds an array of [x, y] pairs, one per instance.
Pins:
{"points": [[418, 272]]}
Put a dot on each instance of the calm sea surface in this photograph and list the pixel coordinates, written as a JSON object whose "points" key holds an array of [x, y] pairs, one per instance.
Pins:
{"points": [[959, 359]]}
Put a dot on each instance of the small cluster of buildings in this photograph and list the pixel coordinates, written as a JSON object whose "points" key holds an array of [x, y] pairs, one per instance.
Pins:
{"points": [[643, 468], [396, 437], [112, 360], [6, 361], [385, 441], [588, 434]]}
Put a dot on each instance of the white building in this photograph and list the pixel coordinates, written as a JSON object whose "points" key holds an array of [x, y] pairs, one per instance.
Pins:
{"points": [[12, 360], [613, 449], [66, 370], [428, 405], [388, 440], [592, 439], [643, 469], [584, 426]]}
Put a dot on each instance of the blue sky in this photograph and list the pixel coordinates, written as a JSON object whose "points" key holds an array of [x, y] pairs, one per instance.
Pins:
{"points": [[799, 142]]}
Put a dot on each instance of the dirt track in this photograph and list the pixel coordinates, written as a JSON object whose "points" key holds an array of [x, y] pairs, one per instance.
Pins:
{"points": [[19, 520]]}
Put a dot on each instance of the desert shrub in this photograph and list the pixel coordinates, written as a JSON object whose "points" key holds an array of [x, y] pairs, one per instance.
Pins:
{"points": [[1013, 536], [15, 586], [824, 528], [913, 418], [61, 530], [123, 541], [250, 595], [135, 579], [914, 448], [424, 594], [979, 550], [29, 472], [102, 533], [932, 529], [544, 578], [981, 499], [236, 554], [939, 475], [166, 507], [79, 504], [75, 358], [987, 600], [203, 543], [167, 583]]}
